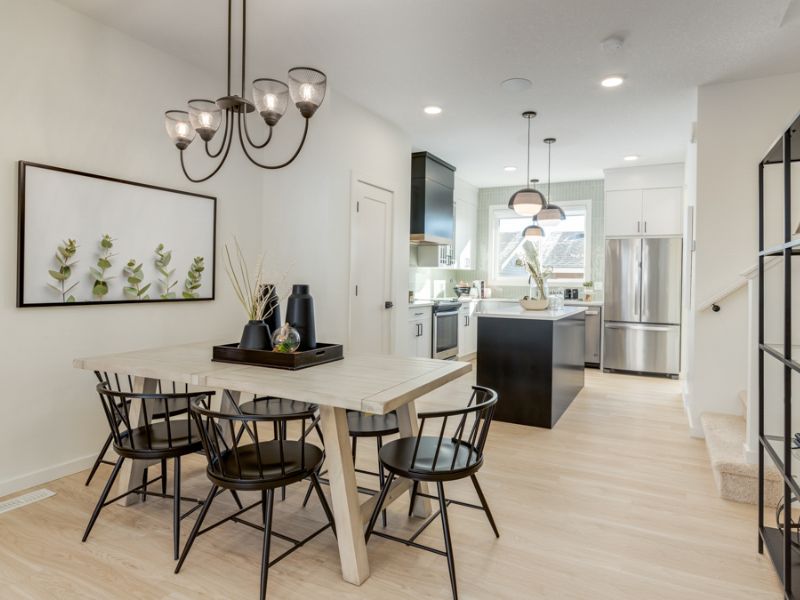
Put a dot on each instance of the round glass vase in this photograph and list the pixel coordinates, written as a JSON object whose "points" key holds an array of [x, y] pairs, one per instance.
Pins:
{"points": [[535, 293]]}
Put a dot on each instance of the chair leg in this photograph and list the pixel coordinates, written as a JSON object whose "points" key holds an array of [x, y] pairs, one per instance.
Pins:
{"points": [[414, 489], [144, 484], [283, 436], [176, 508], [484, 504], [354, 444], [99, 506], [99, 460], [267, 499], [236, 499], [308, 494], [448, 545], [381, 475], [378, 507], [203, 511], [164, 476], [323, 501]]}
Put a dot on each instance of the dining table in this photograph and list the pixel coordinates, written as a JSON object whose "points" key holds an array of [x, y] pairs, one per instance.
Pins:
{"points": [[374, 383]]}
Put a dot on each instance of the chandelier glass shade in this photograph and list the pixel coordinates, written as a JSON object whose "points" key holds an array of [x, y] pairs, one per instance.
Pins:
{"points": [[270, 97]]}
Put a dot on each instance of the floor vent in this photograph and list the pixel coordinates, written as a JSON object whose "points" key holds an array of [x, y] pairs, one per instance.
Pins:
{"points": [[25, 499]]}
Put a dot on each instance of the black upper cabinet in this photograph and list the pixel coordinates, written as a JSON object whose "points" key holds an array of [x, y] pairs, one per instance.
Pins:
{"points": [[432, 182]]}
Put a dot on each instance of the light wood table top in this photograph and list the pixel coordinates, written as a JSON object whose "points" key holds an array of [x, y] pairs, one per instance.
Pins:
{"points": [[373, 383]]}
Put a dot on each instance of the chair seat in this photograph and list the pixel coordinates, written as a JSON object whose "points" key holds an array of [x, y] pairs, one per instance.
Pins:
{"points": [[276, 407], [369, 425], [243, 472], [396, 456], [154, 441]]}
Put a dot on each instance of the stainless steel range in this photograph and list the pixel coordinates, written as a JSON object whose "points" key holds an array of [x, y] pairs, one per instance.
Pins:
{"points": [[445, 328]]}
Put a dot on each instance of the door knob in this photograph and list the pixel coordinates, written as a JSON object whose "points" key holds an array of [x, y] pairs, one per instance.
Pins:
{"points": [[388, 304]]}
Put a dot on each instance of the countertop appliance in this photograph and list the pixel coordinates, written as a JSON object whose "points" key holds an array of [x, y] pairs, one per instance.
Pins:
{"points": [[642, 328], [445, 328]]}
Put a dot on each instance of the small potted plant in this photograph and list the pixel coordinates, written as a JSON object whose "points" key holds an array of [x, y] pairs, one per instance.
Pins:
{"points": [[537, 277], [588, 290], [250, 290]]}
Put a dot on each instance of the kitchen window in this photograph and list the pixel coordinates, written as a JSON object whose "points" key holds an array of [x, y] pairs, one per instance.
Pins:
{"points": [[566, 247]]}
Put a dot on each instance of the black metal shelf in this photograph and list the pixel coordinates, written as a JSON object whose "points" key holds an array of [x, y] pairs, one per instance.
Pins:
{"points": [[777, 448], [773, 541]]}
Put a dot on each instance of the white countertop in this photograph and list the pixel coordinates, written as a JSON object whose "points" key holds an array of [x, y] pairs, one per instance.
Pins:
{"points": [[420, 303], [515, 311]]}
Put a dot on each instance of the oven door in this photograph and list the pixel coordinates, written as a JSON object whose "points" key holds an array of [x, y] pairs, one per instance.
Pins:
{"points": [[445, 334]]}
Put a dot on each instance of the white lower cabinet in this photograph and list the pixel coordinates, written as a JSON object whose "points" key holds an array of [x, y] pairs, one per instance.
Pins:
{"points": [[419, 331], [467, 329]]}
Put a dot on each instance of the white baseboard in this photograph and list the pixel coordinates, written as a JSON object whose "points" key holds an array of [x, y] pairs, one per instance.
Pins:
{"points": [[9, 486]]}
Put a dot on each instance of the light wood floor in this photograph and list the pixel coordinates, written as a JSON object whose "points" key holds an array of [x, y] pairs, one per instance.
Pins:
{"points": [[616, 502]]}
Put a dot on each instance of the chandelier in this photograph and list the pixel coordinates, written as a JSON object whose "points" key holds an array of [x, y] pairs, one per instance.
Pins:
{"points": [[270, 97]]}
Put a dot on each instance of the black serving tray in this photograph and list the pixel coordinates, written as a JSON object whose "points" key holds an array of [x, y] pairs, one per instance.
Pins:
{"points": [[292, 361]]}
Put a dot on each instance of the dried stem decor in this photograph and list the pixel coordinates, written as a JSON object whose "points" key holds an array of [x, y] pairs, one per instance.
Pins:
{"points": [[250, 289]]}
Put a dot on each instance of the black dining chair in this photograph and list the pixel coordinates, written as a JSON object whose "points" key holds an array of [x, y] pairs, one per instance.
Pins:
{"points": [[116, 383], [439, 459], [240, 458], [281, 410], [367, 425], [164, 431]]}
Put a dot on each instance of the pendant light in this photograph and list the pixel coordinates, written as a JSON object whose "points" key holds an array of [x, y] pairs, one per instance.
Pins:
{"points": [[533, 232], [527, 202], [551, 214]]}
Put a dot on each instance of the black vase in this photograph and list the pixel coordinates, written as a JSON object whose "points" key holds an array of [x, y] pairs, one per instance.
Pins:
{"points": [[300, 315], [256, 336], [273, 321]]}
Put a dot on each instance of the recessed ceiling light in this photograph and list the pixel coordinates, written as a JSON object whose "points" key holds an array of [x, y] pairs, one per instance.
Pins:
{"points": [[433, 110], [631, 157], [516, 84], [612, 81], [509, 169]]}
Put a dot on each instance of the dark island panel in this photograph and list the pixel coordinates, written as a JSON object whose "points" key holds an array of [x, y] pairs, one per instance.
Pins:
{"points": [[535, 365]]}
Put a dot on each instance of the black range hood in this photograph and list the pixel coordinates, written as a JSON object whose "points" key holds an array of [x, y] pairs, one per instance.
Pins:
{"points": [[432, 182]]}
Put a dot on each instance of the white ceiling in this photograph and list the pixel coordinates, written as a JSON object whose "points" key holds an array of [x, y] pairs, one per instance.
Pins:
{"points": [[396, 56]]}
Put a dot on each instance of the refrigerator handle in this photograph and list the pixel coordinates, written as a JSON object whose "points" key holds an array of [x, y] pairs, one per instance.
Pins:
{"points": [[638, 303]]}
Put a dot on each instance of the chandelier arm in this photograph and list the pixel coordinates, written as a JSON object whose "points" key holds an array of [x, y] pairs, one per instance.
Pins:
{"points": [[263, 166], [228, 143], [250, 140], [224, 137]]}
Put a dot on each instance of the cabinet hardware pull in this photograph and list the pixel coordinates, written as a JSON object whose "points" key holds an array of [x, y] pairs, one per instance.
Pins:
{"points": [[638, 226]]}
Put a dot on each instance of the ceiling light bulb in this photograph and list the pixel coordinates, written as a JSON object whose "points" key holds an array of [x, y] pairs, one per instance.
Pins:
{"points": [[270, 101], [631, 157], [509, 169], [432, 110], [205, 119], [182, 129], [612, 81]]}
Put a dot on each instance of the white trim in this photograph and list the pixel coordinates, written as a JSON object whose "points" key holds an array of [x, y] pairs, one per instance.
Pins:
{"points": [[495, 209], [28, 480], [389, 241]]}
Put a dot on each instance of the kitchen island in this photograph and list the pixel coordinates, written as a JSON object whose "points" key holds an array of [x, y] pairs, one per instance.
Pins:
{"points": [[533, 359]]}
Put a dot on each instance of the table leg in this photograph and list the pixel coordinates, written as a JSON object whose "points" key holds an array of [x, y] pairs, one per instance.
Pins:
{"points": [[344, 495], [130, 475], [409, 427]]}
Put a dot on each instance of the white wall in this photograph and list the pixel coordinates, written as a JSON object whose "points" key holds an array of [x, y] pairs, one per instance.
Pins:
{"points": [[80, 95], [306, 208], [737, 123]]}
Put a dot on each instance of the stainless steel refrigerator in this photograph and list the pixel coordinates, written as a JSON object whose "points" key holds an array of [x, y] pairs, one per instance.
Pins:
{"points": [[642, 328]]}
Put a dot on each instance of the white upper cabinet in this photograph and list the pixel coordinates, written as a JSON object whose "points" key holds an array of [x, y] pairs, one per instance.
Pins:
{"points": [[662, 211], [623, 212], [466, 233], [644, 201], [644, 212]]}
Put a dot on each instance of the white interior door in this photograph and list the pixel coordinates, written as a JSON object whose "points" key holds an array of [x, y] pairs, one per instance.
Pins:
{"points": [[370, 269]]}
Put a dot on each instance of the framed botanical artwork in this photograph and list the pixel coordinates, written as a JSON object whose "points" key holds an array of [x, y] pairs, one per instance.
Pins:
{"points": [[90, 239]]}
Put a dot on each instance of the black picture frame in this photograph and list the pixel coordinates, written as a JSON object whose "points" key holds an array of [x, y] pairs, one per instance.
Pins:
{"points": [[23, 165]]}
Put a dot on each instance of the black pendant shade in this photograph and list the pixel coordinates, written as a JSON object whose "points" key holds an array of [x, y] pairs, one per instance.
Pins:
{"points": [[533, 232], [550, 215], [527, 202]]}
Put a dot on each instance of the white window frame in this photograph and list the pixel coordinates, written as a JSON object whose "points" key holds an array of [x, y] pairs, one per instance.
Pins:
{"points": [[499, 211]]}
